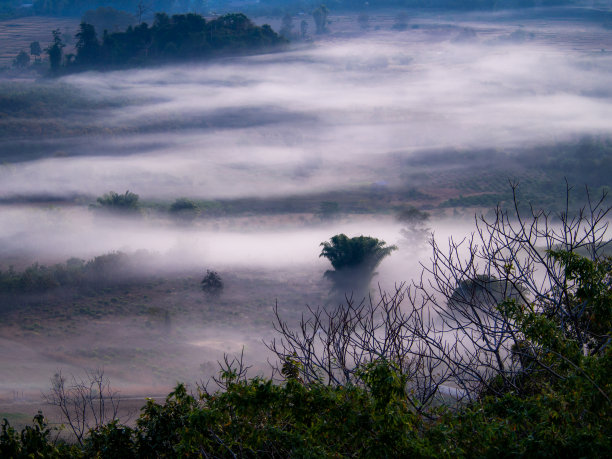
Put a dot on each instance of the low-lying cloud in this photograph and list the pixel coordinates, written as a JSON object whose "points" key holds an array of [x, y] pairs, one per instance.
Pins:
{"points": [[322, 118]]}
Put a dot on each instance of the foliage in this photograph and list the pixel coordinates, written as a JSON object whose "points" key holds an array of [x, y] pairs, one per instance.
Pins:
{"points": [[35, 49], [184, 209], [107, 18], [566, 415], [115, 202], [110, 268], [87, 46], [33, 441], [55, 51], [344, 252], [354, 261], [212, 284], [320, 18], [22, 60], [177, 37]]}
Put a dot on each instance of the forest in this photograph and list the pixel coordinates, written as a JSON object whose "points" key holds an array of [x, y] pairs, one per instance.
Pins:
{"points": [[179, 37]]}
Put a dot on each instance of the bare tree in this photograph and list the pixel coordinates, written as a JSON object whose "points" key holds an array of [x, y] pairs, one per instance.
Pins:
{"points": [[86, 403], [331, 346], [142, 9], [231, 371]]}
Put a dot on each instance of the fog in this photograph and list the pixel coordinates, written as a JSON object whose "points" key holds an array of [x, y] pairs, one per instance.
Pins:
{"points": [[285, 123], [336, 115]]}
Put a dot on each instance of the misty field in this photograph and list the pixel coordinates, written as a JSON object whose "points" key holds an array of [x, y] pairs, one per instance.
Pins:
{"points": [[276, 153]]}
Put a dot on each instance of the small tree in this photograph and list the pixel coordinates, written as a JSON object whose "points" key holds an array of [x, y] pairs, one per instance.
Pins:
{"points": [[354, 260], [35, 49], [55, 51], [320, 17], [125, 203], [85, 404], [88, 48], [212, 284], [21, 60], [415, 232], [304, 29], [184, 209]]}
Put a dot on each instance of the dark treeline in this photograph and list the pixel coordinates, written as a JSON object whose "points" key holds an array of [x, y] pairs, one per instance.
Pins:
{"points": [[177, 37], [12, 8]]}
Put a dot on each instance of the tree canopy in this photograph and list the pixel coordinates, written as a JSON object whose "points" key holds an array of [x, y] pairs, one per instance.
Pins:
{"points": [[361, 251], [170, 38]]}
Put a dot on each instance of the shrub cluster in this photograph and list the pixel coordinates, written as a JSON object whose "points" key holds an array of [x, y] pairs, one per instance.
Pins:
{"points": [[101, 270]]}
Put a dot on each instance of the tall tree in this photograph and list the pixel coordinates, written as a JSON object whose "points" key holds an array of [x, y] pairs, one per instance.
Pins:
{"points": [[354, 260], [320, 18], [55, 51], [88, 48]]}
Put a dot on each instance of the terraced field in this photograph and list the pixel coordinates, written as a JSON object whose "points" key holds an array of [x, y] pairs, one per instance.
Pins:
{"points": [[17, 34]]}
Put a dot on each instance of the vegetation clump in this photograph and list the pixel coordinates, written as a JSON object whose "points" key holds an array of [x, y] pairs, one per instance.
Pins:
{"points": [[354, 260], [184, 209], [126, 203], [212, 284], [170, 38]]}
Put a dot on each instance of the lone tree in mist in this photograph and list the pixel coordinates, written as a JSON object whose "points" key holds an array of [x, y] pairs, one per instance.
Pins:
{"points": [[354, 260], [212, 284], [415, 231]]}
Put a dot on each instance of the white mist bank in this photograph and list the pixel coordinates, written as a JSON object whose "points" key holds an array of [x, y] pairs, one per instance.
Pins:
{"points": [[324, 118], [50, 235]]}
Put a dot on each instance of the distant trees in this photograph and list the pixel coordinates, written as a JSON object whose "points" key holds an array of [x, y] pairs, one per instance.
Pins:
{"points": [[35, 49], [320, 18], [354, 260], [303, 29], [87, 46], [286, 29], [415, 231], [55, 51], [184, 209], [21, 60], [115, 202], [328, 210], [109, 19], [181, 36]]}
